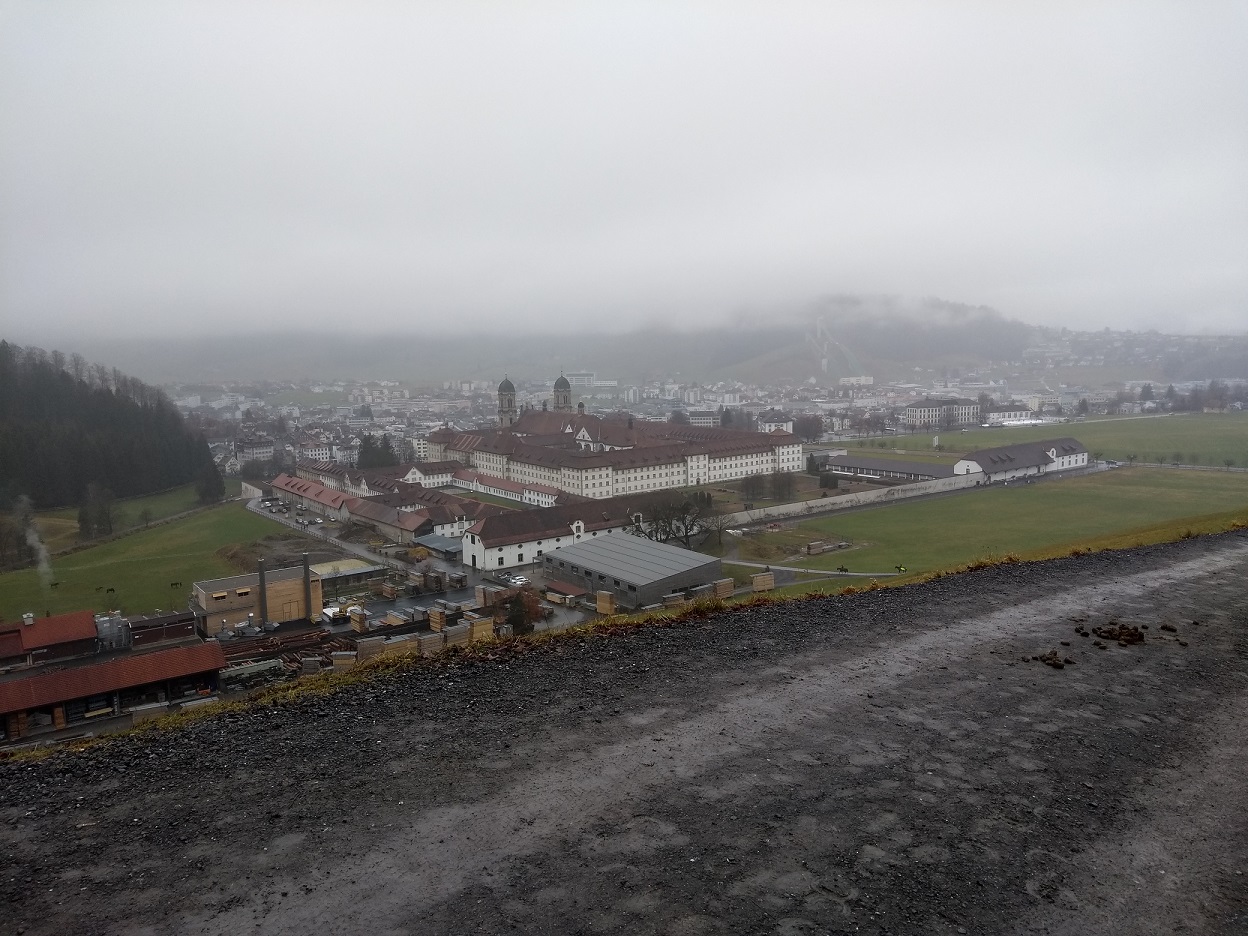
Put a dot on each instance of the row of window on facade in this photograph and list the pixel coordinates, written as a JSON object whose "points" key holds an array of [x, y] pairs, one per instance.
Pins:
{"points": [[589, 574]]}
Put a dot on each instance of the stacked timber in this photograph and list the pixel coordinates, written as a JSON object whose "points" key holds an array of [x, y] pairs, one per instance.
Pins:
{"points": [[606, 602], [369, 647], [430, 644], [724, 588], [457, 635], [480, 627], [763, 581], [437, 618]]}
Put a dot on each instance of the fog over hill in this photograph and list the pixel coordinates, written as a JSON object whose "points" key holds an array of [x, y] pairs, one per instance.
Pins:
{"points": [[855, 334]]}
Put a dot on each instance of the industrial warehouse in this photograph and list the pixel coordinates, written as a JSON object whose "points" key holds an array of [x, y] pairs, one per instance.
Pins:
{"points": [[638, 571]]}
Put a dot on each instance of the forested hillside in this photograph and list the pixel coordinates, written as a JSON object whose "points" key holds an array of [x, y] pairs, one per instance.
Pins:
{"points": [[65, 424]]}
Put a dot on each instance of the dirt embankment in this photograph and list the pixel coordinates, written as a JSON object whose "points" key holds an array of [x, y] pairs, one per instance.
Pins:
{"points": [[902, 761], [279, 551]]}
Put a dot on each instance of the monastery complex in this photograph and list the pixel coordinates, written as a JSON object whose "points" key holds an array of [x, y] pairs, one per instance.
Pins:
{"points": [[606, 456]]}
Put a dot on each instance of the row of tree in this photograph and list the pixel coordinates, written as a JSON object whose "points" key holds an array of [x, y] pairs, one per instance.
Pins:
{"points": [[682, 515], [65, 424]]}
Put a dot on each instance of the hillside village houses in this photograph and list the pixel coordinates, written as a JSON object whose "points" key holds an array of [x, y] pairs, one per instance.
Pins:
{"points": [[241, 425]]}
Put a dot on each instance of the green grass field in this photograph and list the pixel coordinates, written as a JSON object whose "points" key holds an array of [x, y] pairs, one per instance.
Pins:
{"points": [[1198, 438], [59, 528], [140, 567], [1114, 508], [1195, 438]]}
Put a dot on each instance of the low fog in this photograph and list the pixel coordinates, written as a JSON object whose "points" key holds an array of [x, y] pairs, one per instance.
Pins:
{"points": [[200, 169]]}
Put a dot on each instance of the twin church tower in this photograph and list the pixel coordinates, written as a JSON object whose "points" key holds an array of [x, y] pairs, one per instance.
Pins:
{"points": [[508, 412]]}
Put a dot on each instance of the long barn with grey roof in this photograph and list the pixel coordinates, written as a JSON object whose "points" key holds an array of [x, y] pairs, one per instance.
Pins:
{"points": [[1025, 459]]}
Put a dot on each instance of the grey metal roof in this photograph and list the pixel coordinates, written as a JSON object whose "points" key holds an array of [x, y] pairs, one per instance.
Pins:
{"points": [[1024, 454], [252, 579], [633, 559], [440, 543], [930, 469]]}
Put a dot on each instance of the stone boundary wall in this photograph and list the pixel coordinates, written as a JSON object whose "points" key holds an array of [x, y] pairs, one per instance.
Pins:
{"points": [[860, 499]]}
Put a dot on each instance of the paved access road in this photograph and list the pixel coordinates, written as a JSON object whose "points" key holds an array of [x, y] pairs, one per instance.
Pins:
{"points": [[881, 763]]}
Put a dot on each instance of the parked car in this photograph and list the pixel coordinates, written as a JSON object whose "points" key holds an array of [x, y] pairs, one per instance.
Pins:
{"points": [[520, 581]]}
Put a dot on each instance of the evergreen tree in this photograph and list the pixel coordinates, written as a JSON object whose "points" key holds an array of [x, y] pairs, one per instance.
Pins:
{"points": [[376, 453], [65, 424], [209, 485]]}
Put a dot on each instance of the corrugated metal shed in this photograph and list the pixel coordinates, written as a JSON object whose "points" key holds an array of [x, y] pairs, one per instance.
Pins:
{"points": [[634, 558]]}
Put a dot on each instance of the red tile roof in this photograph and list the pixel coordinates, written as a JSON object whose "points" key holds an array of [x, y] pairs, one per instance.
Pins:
{"points": [[50, 631], [10, 645], [42, 689], [311, 490]]}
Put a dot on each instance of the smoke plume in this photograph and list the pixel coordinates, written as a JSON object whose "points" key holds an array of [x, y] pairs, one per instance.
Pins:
{"points": [[24, 514]]}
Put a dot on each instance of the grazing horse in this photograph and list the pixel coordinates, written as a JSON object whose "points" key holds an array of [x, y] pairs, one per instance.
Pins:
{"points": [[175, 584], [109, 590], [99, 588], [53, 584]]}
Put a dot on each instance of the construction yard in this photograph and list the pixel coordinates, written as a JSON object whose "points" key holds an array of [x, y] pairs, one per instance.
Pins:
{"points": [[1052, 748]]}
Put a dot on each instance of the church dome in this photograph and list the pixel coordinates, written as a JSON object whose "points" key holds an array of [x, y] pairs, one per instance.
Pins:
{"points": [[506, 386], [562, 383]]}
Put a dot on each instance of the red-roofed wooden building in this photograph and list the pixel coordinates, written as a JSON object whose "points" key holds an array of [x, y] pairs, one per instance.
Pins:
{"points": [[76, 694], [34, 640]]}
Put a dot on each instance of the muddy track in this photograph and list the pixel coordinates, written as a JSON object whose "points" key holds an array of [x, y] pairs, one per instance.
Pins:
{"points": [[893, 762]]}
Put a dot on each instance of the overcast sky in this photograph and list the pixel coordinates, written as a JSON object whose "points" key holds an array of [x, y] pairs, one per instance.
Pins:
{"points": [[184, 167]]}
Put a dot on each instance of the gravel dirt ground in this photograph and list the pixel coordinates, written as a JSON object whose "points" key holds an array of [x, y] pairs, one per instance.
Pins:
{"points": [[891, 762]]}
